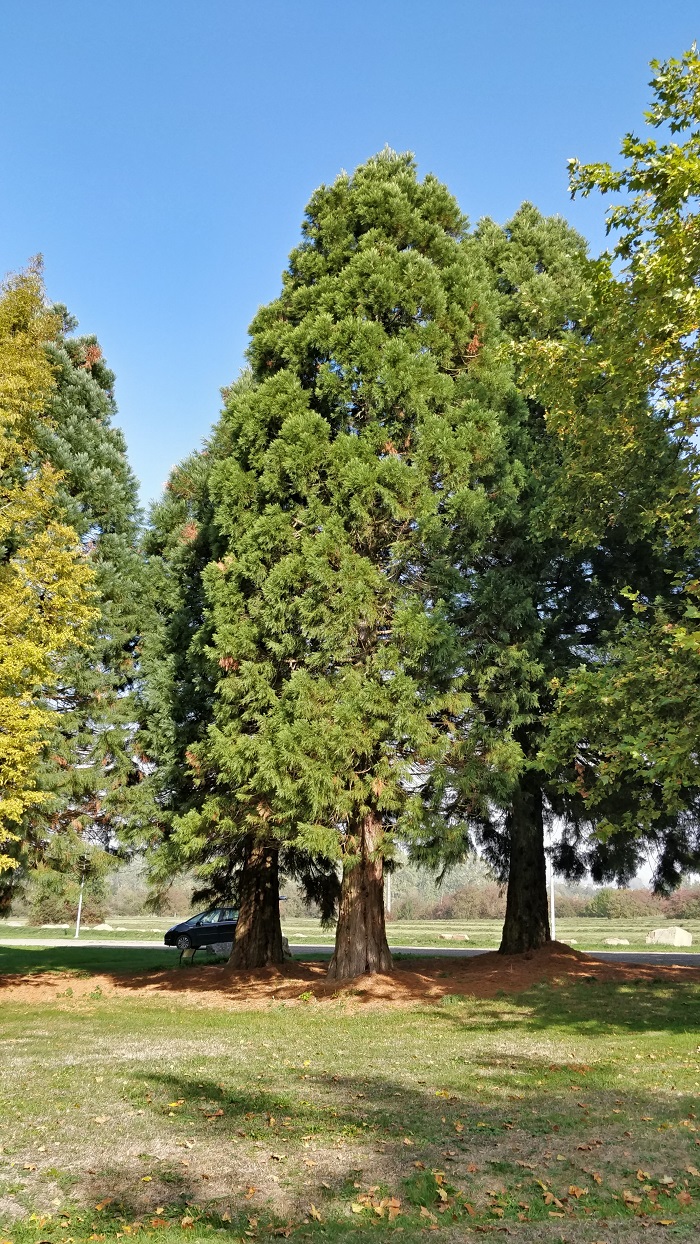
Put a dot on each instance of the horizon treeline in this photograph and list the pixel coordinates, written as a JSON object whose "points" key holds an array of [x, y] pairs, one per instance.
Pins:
{"points": [[430, 585]]}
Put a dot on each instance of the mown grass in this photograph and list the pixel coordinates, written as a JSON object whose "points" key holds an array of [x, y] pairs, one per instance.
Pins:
{"points": [[564, 1113], [586, 934]]}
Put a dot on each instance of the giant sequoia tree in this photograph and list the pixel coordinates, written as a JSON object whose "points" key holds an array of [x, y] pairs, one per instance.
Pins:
{"points": [[601, 465], [367, 447], [187, 813]]}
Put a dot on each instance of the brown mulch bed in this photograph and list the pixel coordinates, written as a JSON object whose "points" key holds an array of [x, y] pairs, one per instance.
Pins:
{"points": [[423, 981]]}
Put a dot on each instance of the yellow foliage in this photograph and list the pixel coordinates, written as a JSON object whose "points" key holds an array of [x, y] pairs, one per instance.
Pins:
{"points": [[46, 602]]}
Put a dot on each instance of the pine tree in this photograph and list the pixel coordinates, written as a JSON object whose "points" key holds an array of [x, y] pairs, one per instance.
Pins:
{"points": [[46, 598], [367, 448]]}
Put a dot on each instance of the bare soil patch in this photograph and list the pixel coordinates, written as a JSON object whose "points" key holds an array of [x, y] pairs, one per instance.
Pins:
{"points": [[425, 981]]}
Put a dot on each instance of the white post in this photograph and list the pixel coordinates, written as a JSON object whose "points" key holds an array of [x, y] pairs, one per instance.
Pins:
{"points": [[388, 894], [552, 910], [80, 906]]}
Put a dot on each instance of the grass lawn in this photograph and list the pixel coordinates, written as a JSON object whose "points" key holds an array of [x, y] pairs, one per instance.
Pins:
{"points": [[564, 1113], [586, 934]]}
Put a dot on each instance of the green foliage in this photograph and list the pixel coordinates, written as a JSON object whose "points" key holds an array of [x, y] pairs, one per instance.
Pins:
{"points": [[621, 904], [88, 763], [303, 655], [46, 597], [658, 233], [630, 721], [359, 468], [54, 885]]}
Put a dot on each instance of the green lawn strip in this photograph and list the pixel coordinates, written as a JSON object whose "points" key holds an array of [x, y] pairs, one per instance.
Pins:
{"points": [[83, 960], [586, 933], [513, 1102]]}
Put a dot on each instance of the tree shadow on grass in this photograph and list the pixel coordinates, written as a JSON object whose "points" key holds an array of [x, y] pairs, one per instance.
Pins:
{"points": [[389, 1128], [591, 1007]]}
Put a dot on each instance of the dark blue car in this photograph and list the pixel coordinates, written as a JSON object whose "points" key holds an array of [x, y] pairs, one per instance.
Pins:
{"points": [[217, 925]]}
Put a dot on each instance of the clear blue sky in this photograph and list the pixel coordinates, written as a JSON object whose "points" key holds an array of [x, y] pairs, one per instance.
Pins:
{"points": [[160, 153]]}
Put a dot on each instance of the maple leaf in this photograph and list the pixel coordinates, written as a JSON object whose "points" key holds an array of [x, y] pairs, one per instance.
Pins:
{"points": [[577, 1192], [314, 1213], [684, 1198]]}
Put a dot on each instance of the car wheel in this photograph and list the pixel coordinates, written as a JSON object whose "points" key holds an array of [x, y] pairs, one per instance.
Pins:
{"points": [[183, 942]]}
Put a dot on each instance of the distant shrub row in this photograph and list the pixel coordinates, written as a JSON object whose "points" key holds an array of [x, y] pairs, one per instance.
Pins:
{"points": [[487, 902]]}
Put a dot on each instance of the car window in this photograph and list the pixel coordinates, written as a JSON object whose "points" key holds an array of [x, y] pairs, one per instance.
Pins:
{"points": [[210, 917], [229, 913]]}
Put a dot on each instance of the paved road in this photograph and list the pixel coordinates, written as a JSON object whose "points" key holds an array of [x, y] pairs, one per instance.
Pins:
{"points": [[668, 958]]}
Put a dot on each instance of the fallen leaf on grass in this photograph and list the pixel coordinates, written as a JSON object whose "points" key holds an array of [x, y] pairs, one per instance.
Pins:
{"points": [[250, 1192], [630, 1199], [314, 1213], [159, 1222], [684, 1198], [693, 1170], [550, 1199], [102, 1204], [146, 1179], [186, 1222], [102, 1118], [577, 1192], [406, 1141], [665, 1222]]}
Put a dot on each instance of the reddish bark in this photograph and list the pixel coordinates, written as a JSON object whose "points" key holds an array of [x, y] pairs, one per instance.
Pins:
{"points": [[360, 938], [258, 940]]}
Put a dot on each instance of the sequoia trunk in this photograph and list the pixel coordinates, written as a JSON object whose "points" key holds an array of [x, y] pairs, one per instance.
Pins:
{"points": [[258, 940], [526, 926], [360, 938]]}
